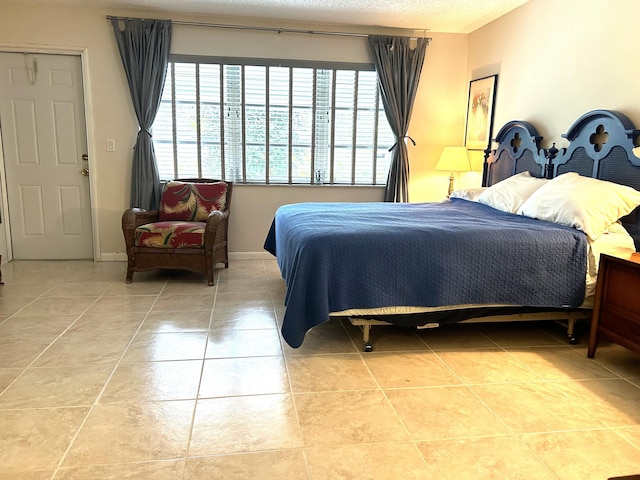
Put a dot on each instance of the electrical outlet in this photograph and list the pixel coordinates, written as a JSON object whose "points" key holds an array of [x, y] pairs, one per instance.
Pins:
{"points": [[111, 145]]}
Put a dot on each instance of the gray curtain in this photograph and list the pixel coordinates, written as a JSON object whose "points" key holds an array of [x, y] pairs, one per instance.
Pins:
{"points": [[398, 67], [144, 47]]}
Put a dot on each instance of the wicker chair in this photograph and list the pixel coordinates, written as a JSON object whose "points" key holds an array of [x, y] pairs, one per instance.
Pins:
{"points": [[188, 232]]}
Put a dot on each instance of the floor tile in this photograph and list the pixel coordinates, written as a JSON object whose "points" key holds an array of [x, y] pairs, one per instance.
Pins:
{"points": [[614, 401], [344, 418], [56, 386], [618, 359], [588, 458], [176, 322], [144, 381], [433, 413], [520, 334], [78, 289], [23, 326], [107, 323], [82, 348], [246, 300], [327, 338], [244, 424], [138, 287], [166, 346], [241, 318], [560, 363], [163, 470], [318, 373], [228, 377], [21, 352], [58, 306], [277, 464], [243, 343], [134, 432], [373, 461], [483, 458], [534, 407], [36, 439], [149, 383], [184, 303], [252, 285], [11, 305], [123, 304], [8, 375], [244, 269], [630, 434], [487, 366], [409, 369]]}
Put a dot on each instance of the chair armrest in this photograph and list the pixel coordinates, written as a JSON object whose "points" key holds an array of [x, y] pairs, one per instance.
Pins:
{"points": [[215, 229], [132, 219]]}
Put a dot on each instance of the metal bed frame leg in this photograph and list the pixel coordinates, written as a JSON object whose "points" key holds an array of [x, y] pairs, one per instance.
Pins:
{"points": [[571, 336], [366, 332]]}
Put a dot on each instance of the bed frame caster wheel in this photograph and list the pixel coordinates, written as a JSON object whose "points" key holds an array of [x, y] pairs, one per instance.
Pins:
{"points": [[573, 340], [368, 347]]}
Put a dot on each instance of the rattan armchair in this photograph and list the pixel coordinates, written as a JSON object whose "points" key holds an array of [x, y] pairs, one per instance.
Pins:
{"points": [[163, 239]]}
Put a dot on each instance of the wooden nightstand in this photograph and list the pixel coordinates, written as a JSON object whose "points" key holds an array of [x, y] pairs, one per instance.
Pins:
{"points": [[616, 311]]}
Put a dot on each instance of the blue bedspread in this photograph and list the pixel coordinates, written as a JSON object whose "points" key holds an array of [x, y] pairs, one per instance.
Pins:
{"points": [[339, 256]]}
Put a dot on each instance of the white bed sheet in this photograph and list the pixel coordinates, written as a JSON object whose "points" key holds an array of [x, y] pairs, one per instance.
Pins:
{"points": [[616, 241]]}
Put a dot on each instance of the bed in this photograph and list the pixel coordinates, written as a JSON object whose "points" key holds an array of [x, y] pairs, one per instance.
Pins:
{"points": [[518, 248]]}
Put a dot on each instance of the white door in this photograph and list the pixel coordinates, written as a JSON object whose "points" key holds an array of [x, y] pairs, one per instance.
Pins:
{"points": [[45, 145]]}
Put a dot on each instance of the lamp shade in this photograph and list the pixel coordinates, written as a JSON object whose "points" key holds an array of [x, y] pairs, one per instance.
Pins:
{"points": [[454, 159]]}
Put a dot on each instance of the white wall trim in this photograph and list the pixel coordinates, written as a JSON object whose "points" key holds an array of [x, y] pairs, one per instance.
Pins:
{"points": [[122, 257]]}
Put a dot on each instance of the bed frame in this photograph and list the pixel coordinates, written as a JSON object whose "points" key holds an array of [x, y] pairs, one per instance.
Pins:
{"points": [[601, 145]]}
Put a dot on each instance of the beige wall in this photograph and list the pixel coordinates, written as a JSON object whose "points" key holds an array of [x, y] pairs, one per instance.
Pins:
{"points": [[437, 121], [558, 59]]}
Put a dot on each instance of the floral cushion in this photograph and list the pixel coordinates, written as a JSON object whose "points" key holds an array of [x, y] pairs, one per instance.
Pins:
{"points": [[191, 201], [171, 234]]}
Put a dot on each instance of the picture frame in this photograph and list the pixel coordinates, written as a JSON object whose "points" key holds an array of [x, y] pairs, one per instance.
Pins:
{"points": [[479, 124]]}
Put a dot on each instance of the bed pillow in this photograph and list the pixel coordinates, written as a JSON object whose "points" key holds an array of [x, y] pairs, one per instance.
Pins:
{"points": [[470, 194], [585, 203], [509, 194]]}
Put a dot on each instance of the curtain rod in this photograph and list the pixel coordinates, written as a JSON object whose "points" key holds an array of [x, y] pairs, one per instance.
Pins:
{"points": [[267, 29]]}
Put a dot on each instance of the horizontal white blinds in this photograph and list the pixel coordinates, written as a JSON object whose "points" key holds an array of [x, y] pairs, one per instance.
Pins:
{"points": [[272, 124]]}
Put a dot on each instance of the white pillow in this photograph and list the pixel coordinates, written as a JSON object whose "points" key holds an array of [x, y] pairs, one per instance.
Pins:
{"points": [[470, 194], [509, 194], [585, 203]]}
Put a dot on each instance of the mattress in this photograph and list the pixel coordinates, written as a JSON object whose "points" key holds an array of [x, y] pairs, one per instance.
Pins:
{"points": [[454, 253], [616, 241]]}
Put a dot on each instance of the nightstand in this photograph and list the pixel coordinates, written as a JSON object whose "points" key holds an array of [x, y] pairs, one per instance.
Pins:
{"points": [[616, 311]]}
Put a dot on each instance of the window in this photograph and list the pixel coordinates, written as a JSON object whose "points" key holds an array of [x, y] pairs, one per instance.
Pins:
{"points": [[258, 122]]}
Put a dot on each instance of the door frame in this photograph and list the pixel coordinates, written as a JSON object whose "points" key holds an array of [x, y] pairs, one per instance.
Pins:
{"points": [[88, 126]]}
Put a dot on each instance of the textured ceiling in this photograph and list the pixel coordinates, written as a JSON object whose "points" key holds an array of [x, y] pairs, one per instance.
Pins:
{"points": [[452, 16]]}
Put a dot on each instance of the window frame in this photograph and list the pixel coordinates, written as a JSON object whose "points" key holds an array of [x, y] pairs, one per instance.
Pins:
{"points": [[328, 173]]}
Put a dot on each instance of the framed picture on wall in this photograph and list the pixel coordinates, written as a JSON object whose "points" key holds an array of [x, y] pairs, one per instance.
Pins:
{"points": [[479, 128]]}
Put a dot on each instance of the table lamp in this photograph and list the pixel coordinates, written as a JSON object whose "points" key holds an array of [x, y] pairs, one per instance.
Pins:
{"points": [[453, 159]]}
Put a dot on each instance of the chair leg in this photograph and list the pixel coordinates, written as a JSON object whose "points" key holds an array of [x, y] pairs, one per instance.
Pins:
{"points": [[129, 278]]}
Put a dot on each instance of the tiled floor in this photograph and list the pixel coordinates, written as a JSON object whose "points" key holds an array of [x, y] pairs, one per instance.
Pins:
{"points": [[167, 378]]}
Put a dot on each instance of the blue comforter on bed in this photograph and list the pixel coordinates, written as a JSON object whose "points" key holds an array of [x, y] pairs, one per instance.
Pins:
{"points": [[339, 256]]}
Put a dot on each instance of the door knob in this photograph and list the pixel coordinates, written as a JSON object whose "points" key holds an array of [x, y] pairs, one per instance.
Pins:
{"points": [[85, 172]]}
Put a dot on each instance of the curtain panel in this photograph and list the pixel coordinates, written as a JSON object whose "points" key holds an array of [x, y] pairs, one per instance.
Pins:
{"points": [[398, 67], [144, 46]]}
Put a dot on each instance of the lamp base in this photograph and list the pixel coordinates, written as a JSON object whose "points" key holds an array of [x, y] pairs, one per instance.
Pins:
{"points": [[450, 186]]}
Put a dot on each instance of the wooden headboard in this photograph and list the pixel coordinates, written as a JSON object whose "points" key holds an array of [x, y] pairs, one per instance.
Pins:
{"points": [[517, 150], [601, 144]]}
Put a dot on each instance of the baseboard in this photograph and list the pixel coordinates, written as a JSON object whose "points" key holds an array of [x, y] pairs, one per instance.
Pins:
{"points": [[122, 257]]}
